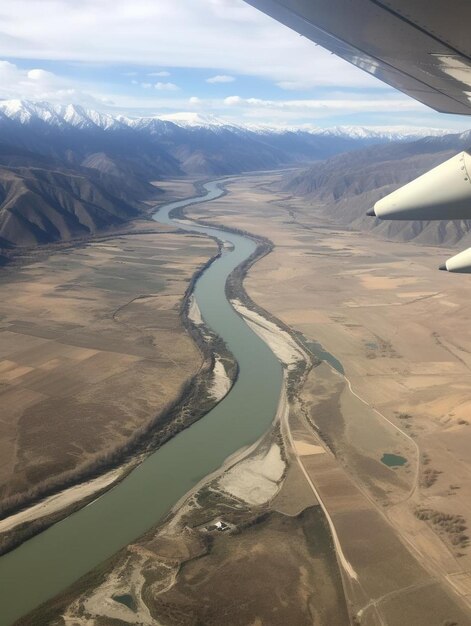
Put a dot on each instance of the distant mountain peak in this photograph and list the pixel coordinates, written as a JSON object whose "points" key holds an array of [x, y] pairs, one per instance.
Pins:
{"points": [[24, 111], [75, 115], [82, 156], [392, 133], [78, 116], [192, 118]]}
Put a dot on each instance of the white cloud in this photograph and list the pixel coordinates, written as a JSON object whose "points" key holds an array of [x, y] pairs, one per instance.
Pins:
{"points": [[146, 85], [166, 87], [39, 84], [187, 33], [346, 104], [336, 109], [220, 78], [163, 74], [41, 76], [233, 100], [333, 109], [292, 85]]}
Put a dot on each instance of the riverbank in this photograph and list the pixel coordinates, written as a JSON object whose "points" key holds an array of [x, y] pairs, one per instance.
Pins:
{"points": [[357, 299], [241, 418], [240, 493], [33, 512], [269, 377]]}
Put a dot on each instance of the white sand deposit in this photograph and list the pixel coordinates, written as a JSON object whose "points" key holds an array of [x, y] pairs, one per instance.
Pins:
{"points": [[256, 479], [60, 500], [282, 344], [194, 313], [129, 579], [221, 382]]}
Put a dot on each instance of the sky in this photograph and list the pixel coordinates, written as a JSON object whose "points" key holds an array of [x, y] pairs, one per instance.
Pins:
{"points": [[217, 57]]}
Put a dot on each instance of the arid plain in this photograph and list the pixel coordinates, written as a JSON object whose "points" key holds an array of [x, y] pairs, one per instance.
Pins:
{"points": [[376, 436], [92, 351], [400, 330]]}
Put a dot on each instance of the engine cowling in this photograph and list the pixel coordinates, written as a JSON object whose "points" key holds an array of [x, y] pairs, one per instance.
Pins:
{"points": [[443, 193], [460, 263]]}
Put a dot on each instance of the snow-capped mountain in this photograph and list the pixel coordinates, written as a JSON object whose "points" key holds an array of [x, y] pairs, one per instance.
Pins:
{"points": [[192, 119], [77, 116], [180, 143], [25, 112], [74, 115], [388, 133], [362, 133], [66, 171]]}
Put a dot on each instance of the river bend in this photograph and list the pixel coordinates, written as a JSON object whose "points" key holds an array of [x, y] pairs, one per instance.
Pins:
{"points": [[51, 561]]}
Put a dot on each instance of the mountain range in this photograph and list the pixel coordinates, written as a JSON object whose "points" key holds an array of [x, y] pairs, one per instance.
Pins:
{"points": [[67, 171], [172, 145]]}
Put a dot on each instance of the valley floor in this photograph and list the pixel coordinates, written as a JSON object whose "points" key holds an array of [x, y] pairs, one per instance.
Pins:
{"points": [[355, 507], [400, 329]]}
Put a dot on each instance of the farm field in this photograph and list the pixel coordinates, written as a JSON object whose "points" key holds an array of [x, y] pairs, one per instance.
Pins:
{"points": [[92, 349]]}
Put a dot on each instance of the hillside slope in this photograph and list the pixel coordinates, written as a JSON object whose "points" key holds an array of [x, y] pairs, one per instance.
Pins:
{"points": [[42, 201], [346, 186]]}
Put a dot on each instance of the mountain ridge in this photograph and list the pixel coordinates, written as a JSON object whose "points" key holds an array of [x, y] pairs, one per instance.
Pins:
{"points": [[45, 149], [43, 200], [78, 116], [344, 188]]}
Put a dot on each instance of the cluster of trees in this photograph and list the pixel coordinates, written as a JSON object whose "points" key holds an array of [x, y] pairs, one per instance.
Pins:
{"points": [[452, 525]]}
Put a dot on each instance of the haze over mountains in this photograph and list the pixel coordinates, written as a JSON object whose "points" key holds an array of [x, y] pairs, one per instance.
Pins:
{"points": [[68, 172]]}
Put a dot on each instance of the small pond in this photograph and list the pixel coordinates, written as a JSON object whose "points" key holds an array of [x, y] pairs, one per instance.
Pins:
{"points": [[393, 460], [127, 600]]}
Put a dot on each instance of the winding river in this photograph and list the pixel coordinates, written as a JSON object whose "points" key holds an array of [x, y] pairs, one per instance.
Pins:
{"points": [[48, 563]]}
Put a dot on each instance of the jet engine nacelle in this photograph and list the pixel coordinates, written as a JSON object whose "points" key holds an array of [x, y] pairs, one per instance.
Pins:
{"points": [[443, 193], [461, 263]]}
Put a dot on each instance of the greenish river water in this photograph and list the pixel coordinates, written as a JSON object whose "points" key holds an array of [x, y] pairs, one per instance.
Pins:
{"points": [[48, 563]]}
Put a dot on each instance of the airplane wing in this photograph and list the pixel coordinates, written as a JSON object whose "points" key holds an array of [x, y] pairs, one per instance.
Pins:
{"points": [[420, 47]]}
